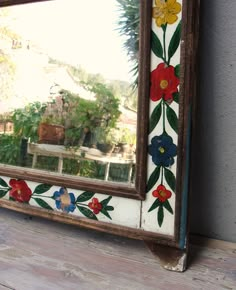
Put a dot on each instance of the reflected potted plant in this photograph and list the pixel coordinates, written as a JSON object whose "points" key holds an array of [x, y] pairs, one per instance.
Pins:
{"points": [[68, 113], [51, 128], [100, 114], [124, 140], [107, 139], [127, 139]]}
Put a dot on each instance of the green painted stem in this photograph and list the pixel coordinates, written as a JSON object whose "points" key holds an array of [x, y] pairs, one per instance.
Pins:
{"points": [[40, 196], [162, 174], [164, 116], [78, 203], [164, 42], [5, 188]]}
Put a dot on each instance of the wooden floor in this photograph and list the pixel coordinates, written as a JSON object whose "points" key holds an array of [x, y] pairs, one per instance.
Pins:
{"points": [[42, 255]]}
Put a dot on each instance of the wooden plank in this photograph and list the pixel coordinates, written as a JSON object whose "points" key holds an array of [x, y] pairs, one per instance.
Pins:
{"points": [[39, 254]]}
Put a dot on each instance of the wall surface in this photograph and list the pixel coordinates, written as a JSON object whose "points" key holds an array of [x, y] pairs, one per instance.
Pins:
{"points": [[213, 201]]}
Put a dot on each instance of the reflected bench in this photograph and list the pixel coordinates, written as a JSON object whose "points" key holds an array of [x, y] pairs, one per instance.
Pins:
{"points": [[61, 152]]}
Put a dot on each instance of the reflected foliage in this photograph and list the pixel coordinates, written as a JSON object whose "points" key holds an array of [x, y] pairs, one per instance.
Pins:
{"points": [[128, 27], [25, 122]]}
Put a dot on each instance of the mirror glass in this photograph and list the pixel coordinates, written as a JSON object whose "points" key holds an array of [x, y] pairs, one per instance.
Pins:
{"points": [[68, 88]]}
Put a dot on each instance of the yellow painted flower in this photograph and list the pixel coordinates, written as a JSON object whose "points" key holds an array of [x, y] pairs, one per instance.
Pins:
{"points": [[165, 12]]}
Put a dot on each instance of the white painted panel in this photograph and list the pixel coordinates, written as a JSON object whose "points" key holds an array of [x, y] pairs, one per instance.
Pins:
{"points": [[126, 212]]}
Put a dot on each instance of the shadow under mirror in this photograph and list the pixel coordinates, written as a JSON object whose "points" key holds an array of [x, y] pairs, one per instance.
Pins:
{"points": [[69, 88]]}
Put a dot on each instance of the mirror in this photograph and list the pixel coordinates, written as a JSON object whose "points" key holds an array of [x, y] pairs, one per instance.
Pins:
{"points": [[73, 93]]}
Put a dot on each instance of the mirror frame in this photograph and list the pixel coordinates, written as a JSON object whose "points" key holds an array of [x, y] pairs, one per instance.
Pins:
{"points": [[170, 247], [117, 189]]}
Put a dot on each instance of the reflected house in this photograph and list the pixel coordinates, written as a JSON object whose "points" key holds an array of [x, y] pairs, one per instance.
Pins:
{"points": [[16, 44], [6, 127]]}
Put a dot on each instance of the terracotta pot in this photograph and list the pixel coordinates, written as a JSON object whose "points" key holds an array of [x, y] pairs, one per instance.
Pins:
{"points": [[51, 134]]}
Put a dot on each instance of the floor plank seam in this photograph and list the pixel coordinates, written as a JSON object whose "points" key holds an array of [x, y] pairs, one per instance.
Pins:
{"points": [[7, 287]]}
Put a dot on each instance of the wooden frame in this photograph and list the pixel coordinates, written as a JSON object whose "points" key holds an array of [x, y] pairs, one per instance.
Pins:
{"points": [[134, 203]]}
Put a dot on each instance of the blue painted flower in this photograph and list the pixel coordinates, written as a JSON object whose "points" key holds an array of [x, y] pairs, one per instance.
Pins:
{"points": [[64, 200], [162, 150]]}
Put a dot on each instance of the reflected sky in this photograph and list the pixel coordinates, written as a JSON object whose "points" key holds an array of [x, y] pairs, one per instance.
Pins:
{"points": [[76, 31]]}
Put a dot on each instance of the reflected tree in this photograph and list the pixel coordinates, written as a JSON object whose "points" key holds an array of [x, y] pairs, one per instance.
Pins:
{"points": [[128, 27]]}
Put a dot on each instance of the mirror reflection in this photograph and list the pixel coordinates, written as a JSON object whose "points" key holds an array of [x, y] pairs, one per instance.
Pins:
{"points": [[69, 87]]}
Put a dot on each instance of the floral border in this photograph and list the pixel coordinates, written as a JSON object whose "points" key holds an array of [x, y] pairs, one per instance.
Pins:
{"points": [[162, 148], [85, 203], [164, 90]]}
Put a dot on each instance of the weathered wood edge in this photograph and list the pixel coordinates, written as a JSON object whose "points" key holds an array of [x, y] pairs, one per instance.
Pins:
{"points": [[144, 91], [188, 82], [53, 178], [124, 231], [171, 259]]}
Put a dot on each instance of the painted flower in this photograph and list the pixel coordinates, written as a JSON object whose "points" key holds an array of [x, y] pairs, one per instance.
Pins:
{"points": [[162, 193], [64, 200], [162, 150], [95, 205], [166, 12], [19, 190], [163, 83]]}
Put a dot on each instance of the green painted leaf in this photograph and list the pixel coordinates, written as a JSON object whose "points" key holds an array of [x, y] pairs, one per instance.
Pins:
{"points": [[160, 215], [174, 42], [3, 183], [109, 208], [155, 205], [3, 193], [43, 203], [170, 178], [155, 117], [172, 118], [103, 211], [11, 198], [41, 188], [153, 178], [177, 70], [87, 212], [156, 45], [106, 201], [167, 206], [85, 196], [176, 97]]}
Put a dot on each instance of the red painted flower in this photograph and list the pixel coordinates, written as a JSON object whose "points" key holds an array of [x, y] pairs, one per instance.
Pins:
{"points": [[95, 205], [19, 190], [163, 83], [161, 193]]}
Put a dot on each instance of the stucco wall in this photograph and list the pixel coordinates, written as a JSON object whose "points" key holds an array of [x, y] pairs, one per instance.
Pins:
{"points": [[213, 201]]}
